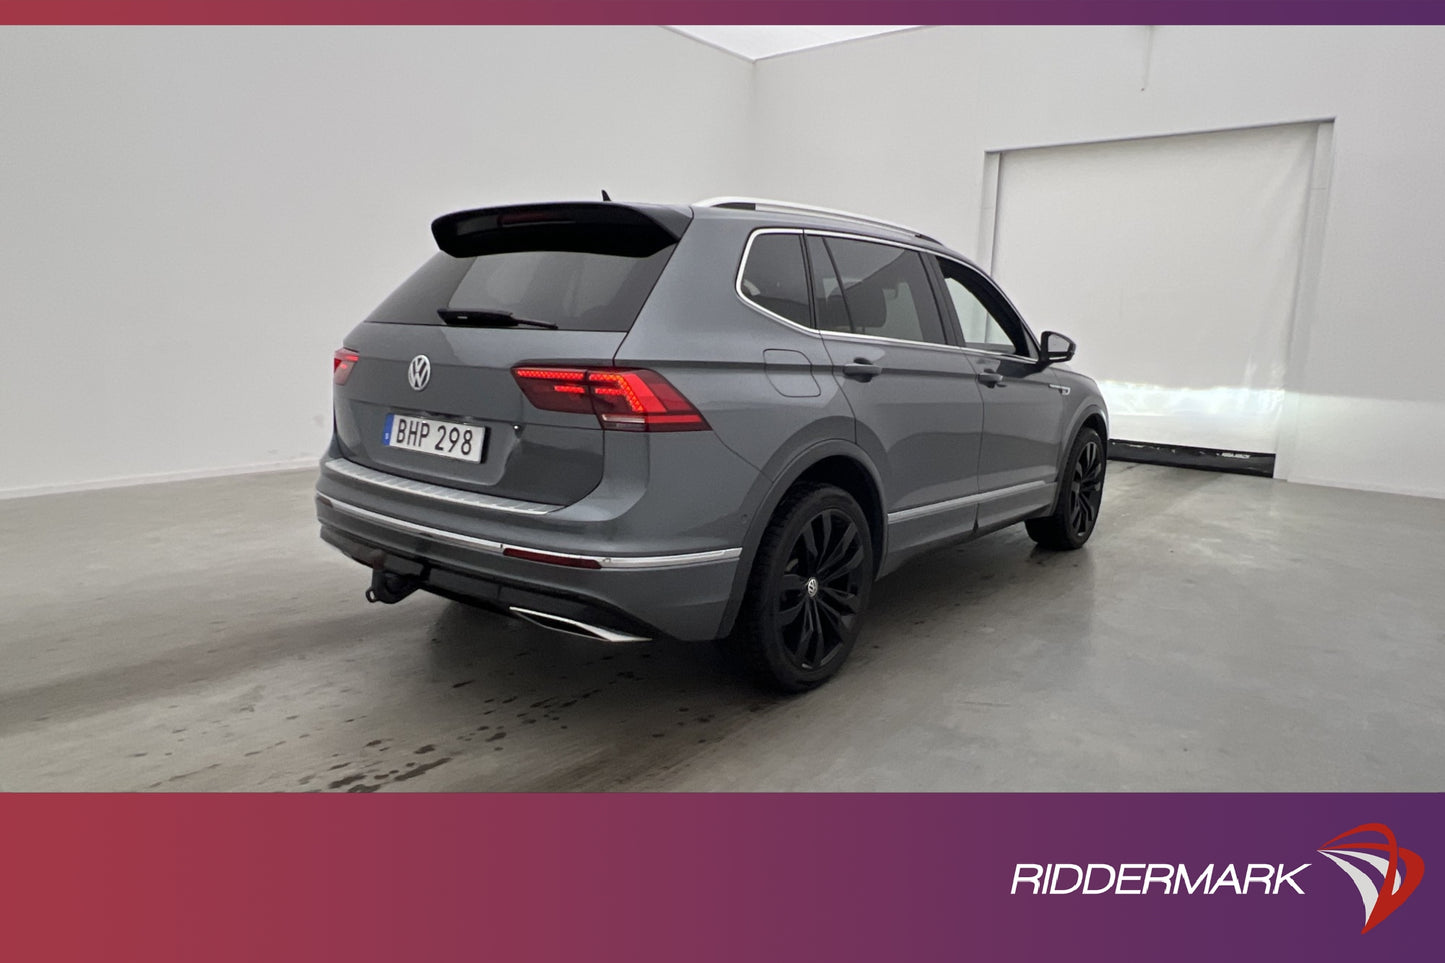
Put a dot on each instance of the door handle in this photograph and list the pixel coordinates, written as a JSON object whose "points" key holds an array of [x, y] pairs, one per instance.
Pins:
{"points": [[862, 369], [991, 379]]}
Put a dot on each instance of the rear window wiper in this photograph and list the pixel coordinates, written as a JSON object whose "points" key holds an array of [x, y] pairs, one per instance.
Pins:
{"points": [[490, 319]]}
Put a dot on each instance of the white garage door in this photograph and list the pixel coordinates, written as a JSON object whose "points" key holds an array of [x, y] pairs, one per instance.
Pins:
{"points": [[1172, 261]]}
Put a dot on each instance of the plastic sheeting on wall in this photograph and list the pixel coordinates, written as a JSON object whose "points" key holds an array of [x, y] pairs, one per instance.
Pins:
{"points": [[1173, 262]]}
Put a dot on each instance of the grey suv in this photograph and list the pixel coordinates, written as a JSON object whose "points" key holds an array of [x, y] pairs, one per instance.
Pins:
{"points": [[721, 421]]}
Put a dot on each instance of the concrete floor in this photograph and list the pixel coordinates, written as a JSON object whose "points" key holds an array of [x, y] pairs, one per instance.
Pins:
{"points": [[1219, 633]]}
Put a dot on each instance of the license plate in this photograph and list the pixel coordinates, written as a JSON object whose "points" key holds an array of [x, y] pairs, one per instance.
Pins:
{"points": [[449, 439]]}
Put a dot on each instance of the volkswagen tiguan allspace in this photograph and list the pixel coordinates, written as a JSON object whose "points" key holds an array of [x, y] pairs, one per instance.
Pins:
{"points": [[716, 421]]}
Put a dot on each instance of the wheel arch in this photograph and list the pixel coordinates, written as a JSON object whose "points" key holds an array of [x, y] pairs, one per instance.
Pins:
{"points": [[1088, 416], [833, 462]]}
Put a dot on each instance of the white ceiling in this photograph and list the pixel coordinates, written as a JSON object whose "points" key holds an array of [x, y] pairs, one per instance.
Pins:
{"points": [[756, 43]]}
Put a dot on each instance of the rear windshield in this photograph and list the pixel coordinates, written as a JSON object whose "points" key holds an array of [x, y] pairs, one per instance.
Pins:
{"points": [[575, 290]]}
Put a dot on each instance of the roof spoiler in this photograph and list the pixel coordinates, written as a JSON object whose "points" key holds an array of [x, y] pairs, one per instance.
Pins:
{"points": [[595, 227]]}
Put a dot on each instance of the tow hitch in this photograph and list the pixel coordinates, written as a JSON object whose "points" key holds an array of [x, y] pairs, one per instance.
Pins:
{"points": [[390, 587]]}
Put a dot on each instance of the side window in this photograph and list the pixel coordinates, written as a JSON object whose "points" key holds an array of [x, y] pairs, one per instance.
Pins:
{"points": [[832, 313], [886, 290], [774, 277], [977, 324]]}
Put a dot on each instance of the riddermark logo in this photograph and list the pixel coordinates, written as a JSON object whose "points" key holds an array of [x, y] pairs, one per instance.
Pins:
{"points": [[1400, 872]]}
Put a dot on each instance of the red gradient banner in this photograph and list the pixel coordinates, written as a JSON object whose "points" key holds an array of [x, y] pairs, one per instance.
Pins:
{"points": [[721, 11], [700, 878]]}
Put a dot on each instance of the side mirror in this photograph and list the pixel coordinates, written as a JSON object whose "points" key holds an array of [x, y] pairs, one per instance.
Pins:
{"points": [[1057, 348]]}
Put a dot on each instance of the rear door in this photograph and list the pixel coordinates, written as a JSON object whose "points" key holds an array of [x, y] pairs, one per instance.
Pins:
{"points": [[552, 284], [1023, 406], [918, 408]]}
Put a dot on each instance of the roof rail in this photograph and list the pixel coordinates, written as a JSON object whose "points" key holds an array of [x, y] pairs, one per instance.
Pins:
{"points": [[763, 204]]}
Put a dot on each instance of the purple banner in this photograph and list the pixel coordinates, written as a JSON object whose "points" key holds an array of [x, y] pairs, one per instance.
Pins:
{"points": [[701, 878], [723, 11]]}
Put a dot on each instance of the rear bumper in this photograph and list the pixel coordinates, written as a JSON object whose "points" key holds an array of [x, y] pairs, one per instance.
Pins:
{"points": [[678, 595]]}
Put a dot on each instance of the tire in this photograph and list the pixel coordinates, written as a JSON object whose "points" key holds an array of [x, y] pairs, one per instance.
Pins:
{"points": [[1081, 493], [807, 591]]}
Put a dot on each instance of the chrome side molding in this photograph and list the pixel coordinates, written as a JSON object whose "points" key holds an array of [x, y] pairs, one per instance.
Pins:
{"points": [[964, 502]]}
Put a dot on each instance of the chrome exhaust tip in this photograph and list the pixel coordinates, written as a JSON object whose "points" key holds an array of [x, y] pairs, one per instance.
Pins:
{"points": [[558, 623]]}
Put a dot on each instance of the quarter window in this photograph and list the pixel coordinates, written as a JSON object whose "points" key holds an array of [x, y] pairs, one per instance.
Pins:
{"points": [[886, 290], [774, 277]]}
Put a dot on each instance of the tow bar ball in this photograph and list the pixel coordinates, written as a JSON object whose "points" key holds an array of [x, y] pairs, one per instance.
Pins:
{"points": [[390, 587]]}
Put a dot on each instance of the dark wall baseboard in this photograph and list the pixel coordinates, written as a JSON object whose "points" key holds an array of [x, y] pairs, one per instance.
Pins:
{"points": [[1180, 456]]}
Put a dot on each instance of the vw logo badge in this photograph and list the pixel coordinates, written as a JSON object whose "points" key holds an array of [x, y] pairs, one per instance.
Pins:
{"points": [[418, 373]]}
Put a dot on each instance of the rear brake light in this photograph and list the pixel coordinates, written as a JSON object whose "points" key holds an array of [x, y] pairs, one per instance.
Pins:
{"points": [[623, 399], [531, 217], [341, 364]]}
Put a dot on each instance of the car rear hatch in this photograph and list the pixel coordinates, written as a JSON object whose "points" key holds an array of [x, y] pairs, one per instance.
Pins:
{"points": [[536, 285]]}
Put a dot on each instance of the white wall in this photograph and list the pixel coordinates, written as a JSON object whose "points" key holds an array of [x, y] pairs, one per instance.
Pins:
{"points": [[1176, 260], [899, 126], [192, 218]]}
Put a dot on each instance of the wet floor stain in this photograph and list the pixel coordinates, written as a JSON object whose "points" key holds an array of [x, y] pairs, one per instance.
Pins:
{"points": [[346, 780], [419, 770]]}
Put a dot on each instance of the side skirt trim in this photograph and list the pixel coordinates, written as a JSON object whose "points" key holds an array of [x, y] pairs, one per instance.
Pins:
{"points": [[909, 514]]}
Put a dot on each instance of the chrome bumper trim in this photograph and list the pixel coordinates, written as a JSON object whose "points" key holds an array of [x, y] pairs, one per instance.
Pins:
{"points": [[440, 493], [614, 562]]}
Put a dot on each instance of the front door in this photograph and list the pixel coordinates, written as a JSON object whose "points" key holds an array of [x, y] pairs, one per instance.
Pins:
{"points": [[1020, 450]]}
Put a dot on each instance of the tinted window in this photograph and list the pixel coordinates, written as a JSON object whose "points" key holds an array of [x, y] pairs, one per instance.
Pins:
{"points": [[575, 290], [774, 277], [886, 290], [979, 326], [828, 303], [430, 287]]}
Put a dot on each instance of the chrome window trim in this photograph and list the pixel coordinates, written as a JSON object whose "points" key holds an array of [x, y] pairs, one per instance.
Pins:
{"points": [[817, 332], [743, 266], [439, 493], [908, 514], [850, 335], [493, 547], [1000, 356]]}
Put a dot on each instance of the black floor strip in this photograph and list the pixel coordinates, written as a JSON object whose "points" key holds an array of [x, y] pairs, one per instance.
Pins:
{"points": [[1180, 456]]}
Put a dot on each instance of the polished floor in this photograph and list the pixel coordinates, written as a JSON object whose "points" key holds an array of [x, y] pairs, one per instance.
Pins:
{"points": [[1219, 633]]}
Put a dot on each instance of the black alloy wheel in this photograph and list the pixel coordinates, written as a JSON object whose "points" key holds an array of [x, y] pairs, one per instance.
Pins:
{"points": [[807, 590], [1076, 508], [1086, 488], [817, 593]]}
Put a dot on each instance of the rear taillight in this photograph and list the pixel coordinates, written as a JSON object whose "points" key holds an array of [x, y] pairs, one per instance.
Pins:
{"points": [[624, 399], [341, 364]]}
